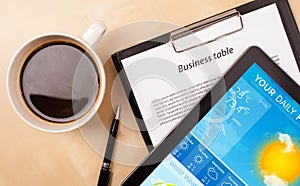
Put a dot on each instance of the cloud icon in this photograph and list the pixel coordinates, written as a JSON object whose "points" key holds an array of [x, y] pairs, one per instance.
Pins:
{"points": [[273, 180], [286, 139], [226, 184], [212, 173]]}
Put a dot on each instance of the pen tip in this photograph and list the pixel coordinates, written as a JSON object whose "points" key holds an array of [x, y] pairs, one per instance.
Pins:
{"points": [[118, 112]]}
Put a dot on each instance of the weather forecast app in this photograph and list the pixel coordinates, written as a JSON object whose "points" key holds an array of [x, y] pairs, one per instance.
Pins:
{"points": [[250, 137], [203, 164]]}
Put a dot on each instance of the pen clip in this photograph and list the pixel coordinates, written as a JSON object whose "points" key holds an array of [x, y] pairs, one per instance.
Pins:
{"points": [[206, 31]]}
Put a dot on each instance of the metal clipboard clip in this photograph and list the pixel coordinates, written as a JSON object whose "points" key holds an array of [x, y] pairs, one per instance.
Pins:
{"points": [[206, 31]]}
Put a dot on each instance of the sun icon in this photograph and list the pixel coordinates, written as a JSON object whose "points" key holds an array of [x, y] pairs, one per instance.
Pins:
{"points": [[198, 159], [282, 160], [184, 145]]}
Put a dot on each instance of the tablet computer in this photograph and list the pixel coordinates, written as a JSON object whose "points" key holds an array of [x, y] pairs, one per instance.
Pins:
{"points": [[245, 131]]}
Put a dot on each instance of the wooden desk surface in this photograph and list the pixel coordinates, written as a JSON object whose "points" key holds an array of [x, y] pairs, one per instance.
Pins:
{"points": [[31, 157]]}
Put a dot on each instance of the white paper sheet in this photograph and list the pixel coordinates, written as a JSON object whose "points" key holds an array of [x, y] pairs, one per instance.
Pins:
{"points": [[165, 92]]}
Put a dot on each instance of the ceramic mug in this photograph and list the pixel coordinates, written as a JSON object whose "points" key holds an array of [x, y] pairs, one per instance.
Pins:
{"points": [[43, 112]]}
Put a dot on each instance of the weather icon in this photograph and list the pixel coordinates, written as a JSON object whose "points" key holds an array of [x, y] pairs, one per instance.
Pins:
{"points": [[198, 159], [184, 145], [280, 161], [212, 173], [226, 184]]}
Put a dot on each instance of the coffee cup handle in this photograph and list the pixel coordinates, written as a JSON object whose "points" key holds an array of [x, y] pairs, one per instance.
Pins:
{"points": [[94, 33]]}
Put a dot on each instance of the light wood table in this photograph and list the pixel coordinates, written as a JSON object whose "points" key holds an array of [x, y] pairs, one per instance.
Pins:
{"points": [[31, 157]]}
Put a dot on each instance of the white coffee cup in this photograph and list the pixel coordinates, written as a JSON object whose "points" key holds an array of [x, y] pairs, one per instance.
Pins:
{"points": [[88, 41]]}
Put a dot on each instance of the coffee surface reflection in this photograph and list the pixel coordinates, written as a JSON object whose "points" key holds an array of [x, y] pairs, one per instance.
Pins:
{"points": [[60, 81]]}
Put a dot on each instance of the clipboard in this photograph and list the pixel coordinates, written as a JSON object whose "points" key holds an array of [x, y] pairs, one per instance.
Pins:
{"points": [[235, 15]]}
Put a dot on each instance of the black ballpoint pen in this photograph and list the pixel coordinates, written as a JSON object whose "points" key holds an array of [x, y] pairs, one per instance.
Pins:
{"points": [[105, 174]]}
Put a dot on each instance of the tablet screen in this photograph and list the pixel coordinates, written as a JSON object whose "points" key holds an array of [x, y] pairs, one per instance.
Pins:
{"points": [[250, 137]]}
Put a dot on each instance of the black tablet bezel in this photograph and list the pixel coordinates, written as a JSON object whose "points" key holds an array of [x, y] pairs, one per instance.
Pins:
{"points": [[289, 24], [251, 56]]}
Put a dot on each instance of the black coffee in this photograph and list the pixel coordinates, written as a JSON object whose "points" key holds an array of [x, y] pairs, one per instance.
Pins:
{"points": [[60, 81]]}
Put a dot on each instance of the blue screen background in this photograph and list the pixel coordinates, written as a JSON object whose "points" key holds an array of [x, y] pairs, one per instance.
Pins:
{"points": [[226, 146]]}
